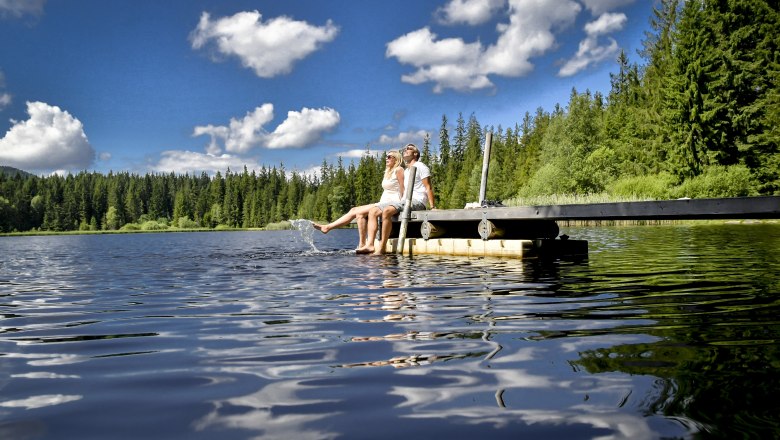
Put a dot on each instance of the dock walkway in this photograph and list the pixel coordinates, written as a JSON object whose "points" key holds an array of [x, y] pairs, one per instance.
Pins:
{"points": [[681, 209], [529, 231]]}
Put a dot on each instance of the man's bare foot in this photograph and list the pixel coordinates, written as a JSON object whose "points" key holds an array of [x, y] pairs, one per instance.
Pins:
{"points": [[322, 228], [379, 251]]}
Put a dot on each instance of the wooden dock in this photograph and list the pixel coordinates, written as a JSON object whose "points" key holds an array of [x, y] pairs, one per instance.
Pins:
{"points": [[532, 231], [767, 207]]}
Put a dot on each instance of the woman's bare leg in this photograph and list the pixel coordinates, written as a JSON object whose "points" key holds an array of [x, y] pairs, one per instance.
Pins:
{"points": [[343, 220], [372, 227]]}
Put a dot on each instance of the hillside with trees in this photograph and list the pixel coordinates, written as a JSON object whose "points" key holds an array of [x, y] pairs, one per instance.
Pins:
{"points": [[699, 117]]}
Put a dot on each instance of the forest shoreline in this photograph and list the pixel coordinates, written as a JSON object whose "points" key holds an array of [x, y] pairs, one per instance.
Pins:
{"points": [[282, 226]]}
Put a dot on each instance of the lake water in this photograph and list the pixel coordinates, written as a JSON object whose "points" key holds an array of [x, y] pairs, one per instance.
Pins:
{"points": [[662, 332]]}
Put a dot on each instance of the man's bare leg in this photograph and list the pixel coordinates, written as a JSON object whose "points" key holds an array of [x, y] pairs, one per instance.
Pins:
{"points": [[387, 228], [362, 224]]}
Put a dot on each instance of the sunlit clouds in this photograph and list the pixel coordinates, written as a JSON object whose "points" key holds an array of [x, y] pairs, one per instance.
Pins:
{"points": [[300, 129], [590, 51], [471, 12], [303, 128], [229, 144], [403, 138], [194, 162], [5, 97], [527, 31], [452, 63], [50, 139], [269, 48]]}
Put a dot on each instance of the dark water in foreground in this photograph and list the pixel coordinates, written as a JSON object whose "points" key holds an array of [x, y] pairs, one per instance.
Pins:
{"points": [[663, 332]]}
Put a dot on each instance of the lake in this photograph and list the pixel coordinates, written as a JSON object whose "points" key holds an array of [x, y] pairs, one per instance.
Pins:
{"points": [[667, 331]]}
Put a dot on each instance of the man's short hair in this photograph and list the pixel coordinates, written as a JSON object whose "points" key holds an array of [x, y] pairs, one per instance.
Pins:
{"points": [[413, 148]]}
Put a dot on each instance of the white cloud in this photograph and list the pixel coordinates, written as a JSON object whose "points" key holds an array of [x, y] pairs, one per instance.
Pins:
{"points": [[449, 63], [18, 8], [472, 12], [5, 100], [242, 134], [303, 128], [180, 162], [528, 34], [403, 138], [598, 7], [453, 63], [300, 129], [355, 154], [50, 139], [270, 48], [590, 52], [605, 24]]}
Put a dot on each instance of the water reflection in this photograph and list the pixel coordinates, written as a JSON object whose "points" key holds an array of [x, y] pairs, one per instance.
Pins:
{"points": [[659, 333]]}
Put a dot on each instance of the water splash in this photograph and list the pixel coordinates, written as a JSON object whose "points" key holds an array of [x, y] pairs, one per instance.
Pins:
{"points": [[306, 229]]}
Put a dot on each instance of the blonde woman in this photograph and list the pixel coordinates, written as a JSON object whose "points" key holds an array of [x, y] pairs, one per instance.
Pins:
{"points": [[393, 189]]}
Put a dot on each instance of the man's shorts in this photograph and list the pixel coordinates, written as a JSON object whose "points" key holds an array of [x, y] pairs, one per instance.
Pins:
{"points": [[399, 206]]}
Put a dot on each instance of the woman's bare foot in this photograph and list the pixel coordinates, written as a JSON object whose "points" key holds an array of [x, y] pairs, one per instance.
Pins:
{"points": [[322, 228], [365, 250], [379, 251]]}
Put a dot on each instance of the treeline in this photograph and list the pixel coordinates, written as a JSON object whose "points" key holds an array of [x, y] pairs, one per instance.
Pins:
{"points": [[698, 118], [93, 201]]}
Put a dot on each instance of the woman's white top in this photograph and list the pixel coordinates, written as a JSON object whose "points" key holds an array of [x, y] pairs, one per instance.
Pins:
{"points": [[391, 189]]}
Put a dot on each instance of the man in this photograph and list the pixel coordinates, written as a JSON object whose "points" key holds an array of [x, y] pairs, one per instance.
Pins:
{"points": [[422, 198]]}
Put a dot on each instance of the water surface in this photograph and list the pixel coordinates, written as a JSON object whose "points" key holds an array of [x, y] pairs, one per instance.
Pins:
{"points": [[662, 332]]}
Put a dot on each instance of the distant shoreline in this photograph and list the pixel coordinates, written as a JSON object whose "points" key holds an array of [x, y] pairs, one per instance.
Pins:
{"points": [[284, 226]]}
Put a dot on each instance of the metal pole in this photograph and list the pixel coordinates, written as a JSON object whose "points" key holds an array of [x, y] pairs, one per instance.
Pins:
{"points": [[485, 166], [407, 213]]}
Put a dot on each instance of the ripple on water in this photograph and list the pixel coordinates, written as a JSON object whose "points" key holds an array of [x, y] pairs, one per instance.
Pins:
{"points": [[289, 333]]}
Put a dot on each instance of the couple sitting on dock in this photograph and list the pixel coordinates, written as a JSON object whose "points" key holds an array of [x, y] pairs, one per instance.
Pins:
{"points": [[392, 202]]}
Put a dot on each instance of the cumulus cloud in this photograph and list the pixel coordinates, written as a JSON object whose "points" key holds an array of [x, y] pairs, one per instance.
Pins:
{"points": [[528, 34], [270, 48], [472, 12], [241, 135], [449, 63], [19, 8], [300, 129], [5, 100], [598, 7], [303, 128], [51, 139], [605, 24], [355, 153], [453, 63], [403, 138], [192, 162], [590, 51]]}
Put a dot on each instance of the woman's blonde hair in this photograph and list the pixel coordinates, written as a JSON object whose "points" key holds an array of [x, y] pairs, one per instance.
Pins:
{"points": [[397, 163]]}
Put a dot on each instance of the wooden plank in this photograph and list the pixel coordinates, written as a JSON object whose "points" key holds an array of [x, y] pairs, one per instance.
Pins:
{"points": [[766, 207], [491, 248]]}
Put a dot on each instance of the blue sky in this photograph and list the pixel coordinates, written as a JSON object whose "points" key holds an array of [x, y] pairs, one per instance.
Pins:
{"points": [[150, 86]]}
